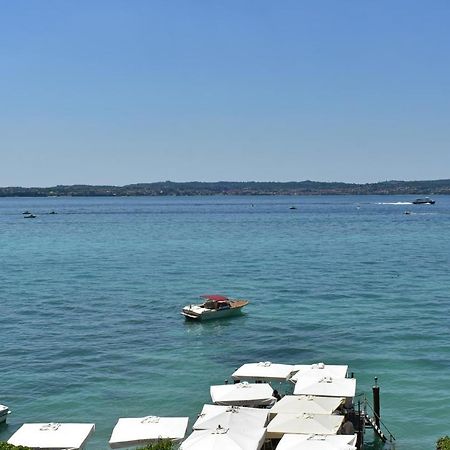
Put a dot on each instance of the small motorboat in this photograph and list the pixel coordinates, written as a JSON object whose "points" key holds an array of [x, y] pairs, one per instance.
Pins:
{"points": [[423, 201], [213, 307], [29, 216], [4, 411]]}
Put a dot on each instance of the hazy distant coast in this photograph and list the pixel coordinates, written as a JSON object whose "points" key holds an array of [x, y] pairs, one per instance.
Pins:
{"points": [[235, 188]]}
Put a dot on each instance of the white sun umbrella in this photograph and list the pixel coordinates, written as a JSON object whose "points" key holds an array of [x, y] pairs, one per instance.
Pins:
{"points": [[130, 432], [317, 442], [225, 439], [319, 370], [303, 424], [326, 387], [297, 404], [235, 417], [243, 394], [263, 371], [54, 436]]}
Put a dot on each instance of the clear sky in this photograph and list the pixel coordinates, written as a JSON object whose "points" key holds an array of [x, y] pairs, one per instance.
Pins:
{"points": [[119, 92]]}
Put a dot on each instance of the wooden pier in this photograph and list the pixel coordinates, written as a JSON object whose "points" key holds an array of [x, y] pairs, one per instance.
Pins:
{"points": [[365, 416]]}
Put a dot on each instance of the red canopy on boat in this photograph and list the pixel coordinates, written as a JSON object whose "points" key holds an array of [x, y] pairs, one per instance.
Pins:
{"points": [[216, 298]]}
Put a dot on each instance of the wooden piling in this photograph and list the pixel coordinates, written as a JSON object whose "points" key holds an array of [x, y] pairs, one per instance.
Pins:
{"points": [[376, 402]]}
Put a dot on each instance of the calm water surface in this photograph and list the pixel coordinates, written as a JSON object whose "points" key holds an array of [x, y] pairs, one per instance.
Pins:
{"points": [[90, 297]]}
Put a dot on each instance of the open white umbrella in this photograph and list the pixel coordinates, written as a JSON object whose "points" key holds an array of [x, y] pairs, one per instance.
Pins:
{"points": [[297, 404], [231, 417], [224, 439], [319, 370], [326, 387], [303, 424], [130, 432], [263, 371], [54, 436], [243, 394], [317, 442]]}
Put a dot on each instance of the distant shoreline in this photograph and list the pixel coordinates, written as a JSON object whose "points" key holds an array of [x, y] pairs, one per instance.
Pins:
{"points": [[247, 188]]}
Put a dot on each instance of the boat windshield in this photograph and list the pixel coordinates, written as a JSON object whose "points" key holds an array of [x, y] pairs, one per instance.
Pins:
{"points": [[210, 304]]}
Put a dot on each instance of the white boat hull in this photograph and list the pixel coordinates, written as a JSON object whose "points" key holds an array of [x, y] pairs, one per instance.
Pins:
{"points": [[4, 411], [211, 314]]}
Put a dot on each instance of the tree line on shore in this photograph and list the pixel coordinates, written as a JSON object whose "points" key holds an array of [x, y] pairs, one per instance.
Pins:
{"points": [[235, 188]]}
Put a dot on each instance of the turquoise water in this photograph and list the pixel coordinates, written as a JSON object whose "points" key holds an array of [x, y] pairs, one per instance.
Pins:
{"points": [[90, 300]]}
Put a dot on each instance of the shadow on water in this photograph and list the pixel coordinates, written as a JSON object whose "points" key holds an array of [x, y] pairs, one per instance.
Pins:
{"points": [[214, 324], [376, 444]]}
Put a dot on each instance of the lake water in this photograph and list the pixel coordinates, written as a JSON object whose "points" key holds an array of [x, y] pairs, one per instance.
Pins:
{"points": [[90, 298]]}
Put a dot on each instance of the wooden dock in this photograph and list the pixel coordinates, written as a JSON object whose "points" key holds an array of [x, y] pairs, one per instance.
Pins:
{"points": [[365, 417]]}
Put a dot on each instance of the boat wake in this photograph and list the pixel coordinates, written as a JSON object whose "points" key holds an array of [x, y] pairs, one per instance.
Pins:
{"points": [[394, 203]]}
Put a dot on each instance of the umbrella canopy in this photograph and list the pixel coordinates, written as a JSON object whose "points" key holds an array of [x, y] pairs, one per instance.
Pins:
{"points": [[326, 386], [224, 439], [242, 394], [297, 404], [130, 432], [53, 436], [319, 370], [264, 371], [317, 442], [303, 424], [235, 417]]}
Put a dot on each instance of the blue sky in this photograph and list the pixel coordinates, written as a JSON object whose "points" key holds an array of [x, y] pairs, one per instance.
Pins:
{"points": [[118, 92]]}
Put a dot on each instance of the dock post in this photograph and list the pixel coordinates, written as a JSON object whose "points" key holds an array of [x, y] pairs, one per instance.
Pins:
{"points": [[361, 425], [376, 402]]}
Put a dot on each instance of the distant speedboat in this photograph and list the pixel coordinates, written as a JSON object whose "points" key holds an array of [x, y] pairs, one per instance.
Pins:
{"points": [[29, 216], [423, 201], [4, 411], [213, 307], [292, 207]]}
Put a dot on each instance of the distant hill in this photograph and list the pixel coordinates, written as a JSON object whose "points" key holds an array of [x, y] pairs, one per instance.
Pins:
{"points": [[235, 188]]}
